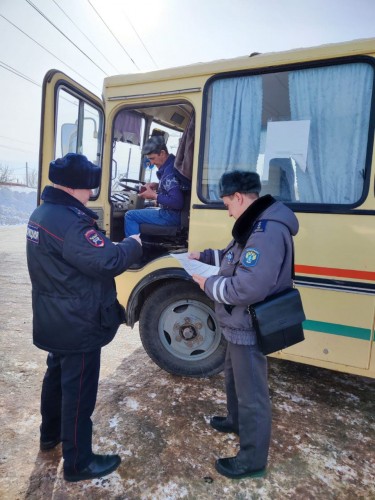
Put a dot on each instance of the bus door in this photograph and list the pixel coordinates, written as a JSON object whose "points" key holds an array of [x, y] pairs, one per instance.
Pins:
{"points": [[72, 122]]}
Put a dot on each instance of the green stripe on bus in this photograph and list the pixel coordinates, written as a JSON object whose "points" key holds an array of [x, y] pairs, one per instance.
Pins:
{"points": [[335, 329]]}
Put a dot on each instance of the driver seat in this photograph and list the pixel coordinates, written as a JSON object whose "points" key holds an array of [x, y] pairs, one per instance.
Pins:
{"points": [[168, 237]]}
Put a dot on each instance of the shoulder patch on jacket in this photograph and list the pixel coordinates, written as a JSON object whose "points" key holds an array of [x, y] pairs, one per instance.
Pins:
{"points": [[32, 233], [94, 238], [260, 226], [250, 257]]}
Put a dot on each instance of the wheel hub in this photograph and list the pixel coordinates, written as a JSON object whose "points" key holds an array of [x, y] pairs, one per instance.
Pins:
{"points": [[188, 331]]}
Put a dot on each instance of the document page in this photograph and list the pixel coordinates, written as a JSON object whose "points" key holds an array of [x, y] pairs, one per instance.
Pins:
{"points": [[193, 266]]}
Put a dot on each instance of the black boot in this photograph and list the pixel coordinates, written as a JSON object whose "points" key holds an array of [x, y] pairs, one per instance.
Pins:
{"points": [[100, 466], [222, 424], [46, 445], [232, 468]]}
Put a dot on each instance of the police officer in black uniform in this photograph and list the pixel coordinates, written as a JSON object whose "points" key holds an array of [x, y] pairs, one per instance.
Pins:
{"points": [[72, 266]]}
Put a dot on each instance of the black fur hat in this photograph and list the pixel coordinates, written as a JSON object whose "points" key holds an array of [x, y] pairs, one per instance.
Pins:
{"points": [[239, 181], [74, 171]]}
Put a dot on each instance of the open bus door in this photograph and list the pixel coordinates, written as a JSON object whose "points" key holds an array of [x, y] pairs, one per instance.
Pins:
{"points": [[72, 122]]}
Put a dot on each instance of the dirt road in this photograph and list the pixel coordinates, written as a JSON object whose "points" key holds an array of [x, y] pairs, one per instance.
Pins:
{"points": [[323, 422]]}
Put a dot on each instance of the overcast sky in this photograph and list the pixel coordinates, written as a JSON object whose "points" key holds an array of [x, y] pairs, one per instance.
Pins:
{"points": [[91, 39]]}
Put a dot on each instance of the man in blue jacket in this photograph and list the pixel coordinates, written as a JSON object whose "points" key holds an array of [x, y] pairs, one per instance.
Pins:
{"points": [[255, 264], [167, 193], [72, 266]]}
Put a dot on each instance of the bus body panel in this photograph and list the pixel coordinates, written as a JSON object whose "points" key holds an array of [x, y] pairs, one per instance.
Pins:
{"points": [[334, 262]]}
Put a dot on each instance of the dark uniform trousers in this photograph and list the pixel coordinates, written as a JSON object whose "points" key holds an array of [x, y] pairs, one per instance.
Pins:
{"points": [[248, 402], [69, 390]]}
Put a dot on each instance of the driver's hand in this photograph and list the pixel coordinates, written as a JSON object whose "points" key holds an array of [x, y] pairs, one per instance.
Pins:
{"points": [[148, 193]]}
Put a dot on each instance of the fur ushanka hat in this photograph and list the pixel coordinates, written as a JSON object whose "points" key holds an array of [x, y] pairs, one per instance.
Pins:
{"points": [[74, 171], [239, 181]]}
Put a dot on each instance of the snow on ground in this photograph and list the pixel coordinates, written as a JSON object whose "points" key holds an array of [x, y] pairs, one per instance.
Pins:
{"points": [[16, 204]]}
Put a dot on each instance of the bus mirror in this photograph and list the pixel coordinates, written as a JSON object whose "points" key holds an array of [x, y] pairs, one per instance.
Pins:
{"points": [[69, 135], [68, 138]]}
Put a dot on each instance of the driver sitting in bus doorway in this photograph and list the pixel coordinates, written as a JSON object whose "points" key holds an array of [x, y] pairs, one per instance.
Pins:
{"points": [[167, 193]]}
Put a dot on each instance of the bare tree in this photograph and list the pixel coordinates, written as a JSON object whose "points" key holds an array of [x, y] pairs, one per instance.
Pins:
{"points": [[5, 174], [33, 179]]}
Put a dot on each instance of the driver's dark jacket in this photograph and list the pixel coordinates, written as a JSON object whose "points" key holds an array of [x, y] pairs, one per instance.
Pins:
{"points": [[72, 266], [169, 196]]}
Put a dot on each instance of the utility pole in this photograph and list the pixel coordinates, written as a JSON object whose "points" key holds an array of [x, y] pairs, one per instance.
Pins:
{"points": [[27, 174], [127, 169]]}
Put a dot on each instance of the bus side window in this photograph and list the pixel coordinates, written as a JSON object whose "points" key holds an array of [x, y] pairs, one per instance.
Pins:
{"points": [[305, 132]]}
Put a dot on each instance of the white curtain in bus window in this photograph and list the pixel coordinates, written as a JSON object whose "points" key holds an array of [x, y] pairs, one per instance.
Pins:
{"points": [[336, 100], [234, 128], [128, 127]]}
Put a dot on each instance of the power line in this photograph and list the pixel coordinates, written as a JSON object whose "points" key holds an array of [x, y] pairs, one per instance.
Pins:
{"points": [[18, 73], [65, 36], [16, 140], [17, 149], [48, 51], [11, 167], [140, 39], [114, 36], [87, 38]]}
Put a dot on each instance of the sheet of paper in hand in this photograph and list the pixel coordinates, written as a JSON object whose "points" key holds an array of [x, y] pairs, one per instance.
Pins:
{"points": [[193, 266]]}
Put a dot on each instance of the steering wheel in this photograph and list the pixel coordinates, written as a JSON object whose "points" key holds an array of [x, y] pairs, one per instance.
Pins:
{"points": [[123, 183]]}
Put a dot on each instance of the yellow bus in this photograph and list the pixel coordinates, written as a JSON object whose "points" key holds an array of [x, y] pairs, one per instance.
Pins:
{"points": [[304, 120]]}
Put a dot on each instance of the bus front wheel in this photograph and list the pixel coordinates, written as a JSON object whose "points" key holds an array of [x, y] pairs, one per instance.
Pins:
{"points": [[179, 331]]}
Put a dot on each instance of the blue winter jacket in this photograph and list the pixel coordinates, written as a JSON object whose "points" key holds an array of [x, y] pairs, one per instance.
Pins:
{"points": [[72, 266], [256, 263], [170, 196]]}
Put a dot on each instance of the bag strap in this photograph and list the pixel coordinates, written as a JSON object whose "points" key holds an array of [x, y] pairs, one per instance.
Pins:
{"points": [[293, 273], [249, 309]]}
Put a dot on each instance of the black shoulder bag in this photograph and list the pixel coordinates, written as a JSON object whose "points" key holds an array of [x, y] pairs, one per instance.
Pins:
{"points": [[278, 319]]}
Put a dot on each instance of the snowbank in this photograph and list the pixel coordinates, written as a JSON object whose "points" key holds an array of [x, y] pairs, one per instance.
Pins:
{"points": [[16, 204]]}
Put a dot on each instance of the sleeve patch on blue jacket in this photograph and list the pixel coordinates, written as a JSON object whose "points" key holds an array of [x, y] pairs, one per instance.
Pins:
{"points": [[250, 258], [260, 226], [95, 239], [32, 234]]}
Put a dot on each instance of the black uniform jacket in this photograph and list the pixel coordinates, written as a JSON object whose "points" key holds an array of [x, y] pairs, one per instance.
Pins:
{"points": [[72, 266]]}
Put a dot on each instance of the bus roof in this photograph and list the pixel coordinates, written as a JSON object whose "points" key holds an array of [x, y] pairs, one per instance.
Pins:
{"points": [[354, 47]]}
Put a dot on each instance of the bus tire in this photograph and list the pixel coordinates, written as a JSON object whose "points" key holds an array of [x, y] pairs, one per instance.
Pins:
{"points": [[179, 331]]}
